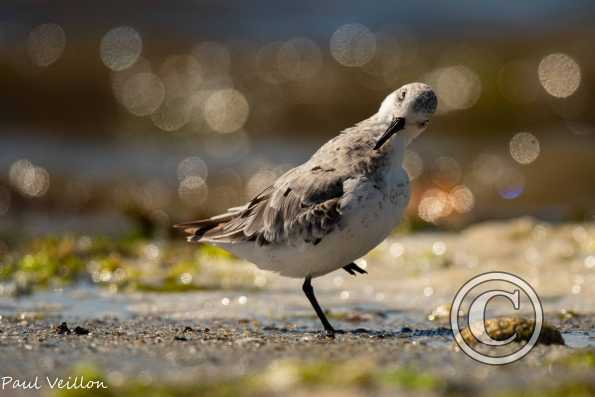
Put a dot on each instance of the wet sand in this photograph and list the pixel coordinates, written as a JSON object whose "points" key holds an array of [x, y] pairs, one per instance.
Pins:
{"points": [[157, 352], [267, 341]]}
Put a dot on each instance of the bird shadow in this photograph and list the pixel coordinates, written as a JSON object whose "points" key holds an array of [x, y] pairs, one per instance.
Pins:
{"points": [[403, 333]]}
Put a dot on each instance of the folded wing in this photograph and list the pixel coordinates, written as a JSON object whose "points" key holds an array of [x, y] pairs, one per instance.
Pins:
{"points": [[301, 205]]}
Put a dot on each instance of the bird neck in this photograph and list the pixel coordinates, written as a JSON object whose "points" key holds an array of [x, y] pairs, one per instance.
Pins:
{"points": [[398, 144], [372, 129]]}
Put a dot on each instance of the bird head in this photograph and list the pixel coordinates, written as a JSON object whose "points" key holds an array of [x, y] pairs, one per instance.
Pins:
{"points": [[407, 110]]}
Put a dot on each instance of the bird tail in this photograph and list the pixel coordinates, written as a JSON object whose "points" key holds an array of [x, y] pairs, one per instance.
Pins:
{"points": [[197, 229]]}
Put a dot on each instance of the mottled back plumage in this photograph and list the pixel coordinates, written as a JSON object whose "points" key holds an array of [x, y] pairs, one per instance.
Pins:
{"points": [[305, 202]]}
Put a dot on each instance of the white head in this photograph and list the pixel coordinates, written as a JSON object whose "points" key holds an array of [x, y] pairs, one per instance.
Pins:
{"points": [[408, 110]]}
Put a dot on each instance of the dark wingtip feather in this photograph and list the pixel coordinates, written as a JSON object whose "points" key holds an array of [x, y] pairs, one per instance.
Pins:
{"points": [[197, 229]]}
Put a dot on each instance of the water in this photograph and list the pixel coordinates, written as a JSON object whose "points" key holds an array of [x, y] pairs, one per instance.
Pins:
{"points": [[579, 340], [84, 302]]}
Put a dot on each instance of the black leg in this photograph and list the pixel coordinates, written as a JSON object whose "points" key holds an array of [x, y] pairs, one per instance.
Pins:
{"points": [[309, 291]]}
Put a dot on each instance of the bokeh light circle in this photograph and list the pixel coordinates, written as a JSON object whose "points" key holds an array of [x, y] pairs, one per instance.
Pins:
{"points": [[524, 148], [434, 205], [446, 171], [299, 59], [193, 191], [120, 48], [353, 45], [511, 184], [46, 44], [462, 199], [192, 166], [119, 79], [559, 75], [29, 179], [143, 94], [172, 115], [458, 87], [182, 75], [226, 110]]}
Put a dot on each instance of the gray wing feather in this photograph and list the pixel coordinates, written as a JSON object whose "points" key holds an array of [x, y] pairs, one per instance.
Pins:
{"points": [[305, 203], [299, 206]]}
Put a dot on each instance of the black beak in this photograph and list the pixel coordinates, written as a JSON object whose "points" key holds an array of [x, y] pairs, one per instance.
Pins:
{"points": [[397, 125]]}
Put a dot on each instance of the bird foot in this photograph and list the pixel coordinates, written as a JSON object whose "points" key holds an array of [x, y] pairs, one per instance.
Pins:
{"points": [[352, 268], [330, 333]]}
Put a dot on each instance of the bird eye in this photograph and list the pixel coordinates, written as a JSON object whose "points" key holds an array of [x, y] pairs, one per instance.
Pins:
{"points": [[424, 124], [402, 95]]}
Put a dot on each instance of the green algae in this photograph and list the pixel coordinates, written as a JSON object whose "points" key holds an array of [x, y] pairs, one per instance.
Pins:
{"points": [[279, 378], [581, 359], [121, 264]]}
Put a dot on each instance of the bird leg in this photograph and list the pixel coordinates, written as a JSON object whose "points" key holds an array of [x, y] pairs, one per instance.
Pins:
{"points": [[352, 268], [309, 291]]}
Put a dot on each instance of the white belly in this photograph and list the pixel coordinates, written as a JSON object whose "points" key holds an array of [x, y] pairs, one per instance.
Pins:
{"points": [[367, 219]]}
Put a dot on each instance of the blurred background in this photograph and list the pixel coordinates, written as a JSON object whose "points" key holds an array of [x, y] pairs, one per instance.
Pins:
{"points": [[133, 115], [119, 118]]}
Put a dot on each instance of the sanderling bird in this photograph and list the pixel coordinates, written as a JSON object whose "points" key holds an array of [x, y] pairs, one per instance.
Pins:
{"points": [[333, 209]]}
